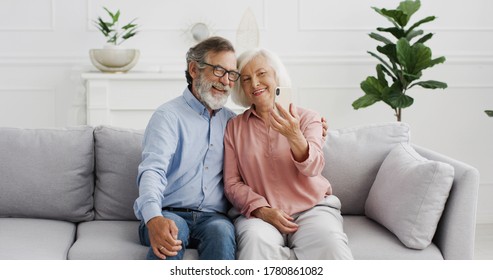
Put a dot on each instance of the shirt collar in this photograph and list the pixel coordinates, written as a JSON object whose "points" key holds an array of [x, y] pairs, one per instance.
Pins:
{"points": [[250, 113], [195, 104]]}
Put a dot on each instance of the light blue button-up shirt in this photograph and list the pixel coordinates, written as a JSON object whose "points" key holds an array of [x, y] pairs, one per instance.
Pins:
{"points": [[182, 159]]}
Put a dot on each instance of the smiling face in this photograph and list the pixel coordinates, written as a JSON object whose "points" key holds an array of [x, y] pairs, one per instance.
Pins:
{"points": [[258, 81], [213, 91]]}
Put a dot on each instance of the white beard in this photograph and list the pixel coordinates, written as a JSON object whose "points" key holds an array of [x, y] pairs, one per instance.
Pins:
{"points": [[212, 101]]}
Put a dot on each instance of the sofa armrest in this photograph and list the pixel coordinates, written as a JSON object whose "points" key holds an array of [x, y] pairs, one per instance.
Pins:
{"points": [[456, 229]]}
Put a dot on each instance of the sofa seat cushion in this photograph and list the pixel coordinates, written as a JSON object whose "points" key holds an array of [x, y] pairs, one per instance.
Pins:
{"points": [[35, 239], [111, 240], [371, 241], [47, 173]]}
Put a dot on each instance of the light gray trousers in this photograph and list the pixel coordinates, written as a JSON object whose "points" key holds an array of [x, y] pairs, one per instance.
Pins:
{"points": [[320, 236]]}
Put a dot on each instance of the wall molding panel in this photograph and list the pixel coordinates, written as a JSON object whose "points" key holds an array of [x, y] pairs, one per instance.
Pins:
{"points": [[40, 16], [295, 59], [40, 111], [168, 15]]}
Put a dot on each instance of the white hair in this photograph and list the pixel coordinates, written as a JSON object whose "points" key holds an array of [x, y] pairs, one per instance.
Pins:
{"points": [[281, 74]]}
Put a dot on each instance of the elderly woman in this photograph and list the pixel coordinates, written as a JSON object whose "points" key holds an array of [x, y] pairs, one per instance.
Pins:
{"points": [[272, 172]]}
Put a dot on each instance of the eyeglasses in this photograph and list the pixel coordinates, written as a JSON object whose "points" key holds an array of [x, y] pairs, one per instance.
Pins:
{"points": [[220, 72]]}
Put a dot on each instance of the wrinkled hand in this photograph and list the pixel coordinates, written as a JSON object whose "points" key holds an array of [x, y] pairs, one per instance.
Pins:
{"points": [[163, 234], [325, 127], [277, 218], [286, 123]]}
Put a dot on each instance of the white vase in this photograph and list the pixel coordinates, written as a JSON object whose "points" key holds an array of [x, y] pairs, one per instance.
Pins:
{"points": [[114, 59]]}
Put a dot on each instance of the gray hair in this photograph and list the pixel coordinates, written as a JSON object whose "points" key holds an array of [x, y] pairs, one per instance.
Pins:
{"points": [[282, 77], [200, 51]]}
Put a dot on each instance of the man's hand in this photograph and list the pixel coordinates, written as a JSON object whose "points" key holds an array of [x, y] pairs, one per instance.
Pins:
{"points": [[163, 234], [325, 127], [277, 218]]}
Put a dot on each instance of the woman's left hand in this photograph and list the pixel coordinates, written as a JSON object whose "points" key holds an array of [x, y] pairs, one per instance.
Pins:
{"points": [[288, 124]]}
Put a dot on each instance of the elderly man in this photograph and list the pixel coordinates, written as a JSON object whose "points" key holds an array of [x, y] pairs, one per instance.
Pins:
{"points": [[181, 194]]}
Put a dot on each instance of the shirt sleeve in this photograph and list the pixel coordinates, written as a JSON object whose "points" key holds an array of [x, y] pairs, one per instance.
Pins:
{"points": [[159, 144], [311, 127], [243, 198]]}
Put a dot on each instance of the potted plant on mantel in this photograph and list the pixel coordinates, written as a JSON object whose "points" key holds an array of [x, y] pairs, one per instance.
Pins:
{"points": [[113, 58], [404, 61]]}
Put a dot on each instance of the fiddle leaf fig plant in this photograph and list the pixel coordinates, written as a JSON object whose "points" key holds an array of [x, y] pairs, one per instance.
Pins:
{"points": [[112, 31], [402, 60], [489, 113]]}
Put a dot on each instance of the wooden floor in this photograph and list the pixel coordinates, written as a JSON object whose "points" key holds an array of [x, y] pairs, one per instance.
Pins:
{"points": [[484, 242]]}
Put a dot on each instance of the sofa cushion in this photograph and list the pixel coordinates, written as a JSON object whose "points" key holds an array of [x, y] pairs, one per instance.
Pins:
{"points": [[112, 240], [35, 239], [108, 240], [409, 195], [370, 241], [354, 155], [118, 154], [47, 173]]}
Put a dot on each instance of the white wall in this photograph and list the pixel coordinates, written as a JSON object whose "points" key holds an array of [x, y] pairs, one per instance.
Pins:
{"points": [[44, 49]]}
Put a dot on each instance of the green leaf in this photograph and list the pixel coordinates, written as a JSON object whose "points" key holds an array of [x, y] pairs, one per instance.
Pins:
{"points": [[381, 75], [129, 25], [435, 61], [409, 7], [397, 16], [373, 89], [372, 86], [431, 84], [396, 31], [418, 23], [413, 58], [380, 38], [103, 25], [129, 34], [365, 101], [489, 113], [389, 74], [411, 77], [424, 38], [384, 63], [117, 16], [411, 35], [389, 51], [396, 97], [387, 17], [401, 101]]}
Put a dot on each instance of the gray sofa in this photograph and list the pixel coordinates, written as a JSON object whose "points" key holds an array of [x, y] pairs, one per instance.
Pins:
{"points": [[68, 194]]}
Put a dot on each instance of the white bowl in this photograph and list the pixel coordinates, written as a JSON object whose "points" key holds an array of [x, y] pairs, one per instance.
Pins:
{"points": [[114, 60]]}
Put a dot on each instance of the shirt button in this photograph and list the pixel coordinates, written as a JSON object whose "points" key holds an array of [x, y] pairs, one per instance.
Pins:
{"points": [[206, 168]]}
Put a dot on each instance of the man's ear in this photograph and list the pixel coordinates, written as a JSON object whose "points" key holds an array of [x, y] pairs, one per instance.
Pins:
{"points": [[193, 69]]}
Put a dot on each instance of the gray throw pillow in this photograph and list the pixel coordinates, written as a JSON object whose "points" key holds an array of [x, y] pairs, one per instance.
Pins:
{"points": [[409, 195], [47, 173], [118, 155]]}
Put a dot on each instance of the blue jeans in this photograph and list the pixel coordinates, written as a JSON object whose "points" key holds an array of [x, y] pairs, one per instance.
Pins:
{"points": [[212, 234]]}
